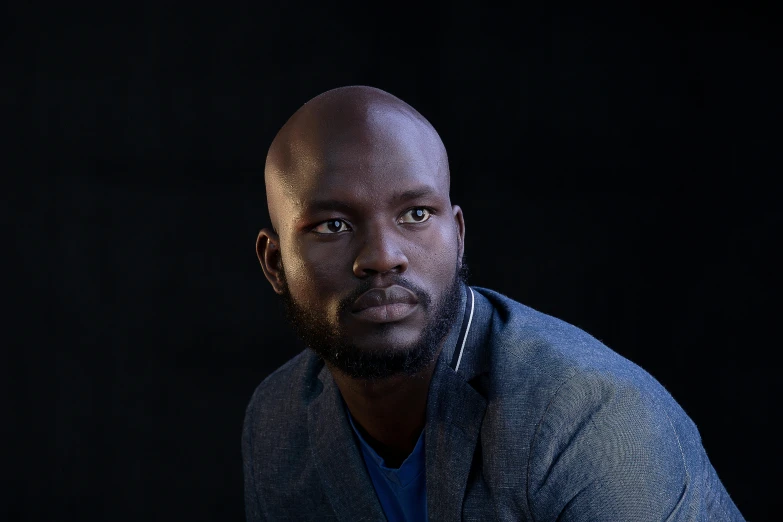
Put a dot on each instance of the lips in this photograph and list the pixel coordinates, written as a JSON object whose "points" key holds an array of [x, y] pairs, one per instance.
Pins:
{"points": [[382, 305]]}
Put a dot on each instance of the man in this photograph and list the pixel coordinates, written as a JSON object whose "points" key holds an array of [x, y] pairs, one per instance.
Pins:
{"points": [[421, 397]]}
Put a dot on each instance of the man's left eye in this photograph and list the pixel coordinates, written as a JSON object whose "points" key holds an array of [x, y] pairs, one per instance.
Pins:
{"points": [[415, 215]]}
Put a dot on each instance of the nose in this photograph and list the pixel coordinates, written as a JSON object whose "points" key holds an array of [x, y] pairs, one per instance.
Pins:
{"points": [[380, 253]]}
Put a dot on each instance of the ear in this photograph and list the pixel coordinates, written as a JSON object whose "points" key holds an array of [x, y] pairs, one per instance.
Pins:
{"points": [[268, 251], [459, 221]]}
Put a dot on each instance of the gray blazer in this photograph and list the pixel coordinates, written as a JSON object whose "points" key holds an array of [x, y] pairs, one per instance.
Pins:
{"points": [[539, 422]]}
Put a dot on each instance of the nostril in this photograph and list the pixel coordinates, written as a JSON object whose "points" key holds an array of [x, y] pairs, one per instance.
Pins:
{"points": [[365, 268]]}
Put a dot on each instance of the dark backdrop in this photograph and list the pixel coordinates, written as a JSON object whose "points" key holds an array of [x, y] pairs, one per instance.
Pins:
{"points": [[611, 164]]}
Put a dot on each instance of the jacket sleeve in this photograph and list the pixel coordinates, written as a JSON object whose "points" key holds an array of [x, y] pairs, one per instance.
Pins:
{"points": [[253, 508], [620, 448]]}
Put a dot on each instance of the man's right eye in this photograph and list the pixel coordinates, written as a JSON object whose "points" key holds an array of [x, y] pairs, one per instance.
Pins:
{"points": [[333, 226]]}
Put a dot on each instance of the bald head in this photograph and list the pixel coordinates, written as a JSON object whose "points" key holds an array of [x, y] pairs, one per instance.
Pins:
{"points": [[355, 127]]}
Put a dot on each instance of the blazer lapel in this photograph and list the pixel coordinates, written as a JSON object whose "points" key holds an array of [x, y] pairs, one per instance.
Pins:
{"points": [[454, 412], [337, 458]]}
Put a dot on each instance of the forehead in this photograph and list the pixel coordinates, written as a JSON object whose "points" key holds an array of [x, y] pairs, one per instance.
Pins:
{"points": [[365, 161]]}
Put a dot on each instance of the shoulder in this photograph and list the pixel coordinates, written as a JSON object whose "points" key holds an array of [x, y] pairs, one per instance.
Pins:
{"points": [[533, 337], [281, 399], [523, 344], [600, 426], [571, 373], [294, 375]]}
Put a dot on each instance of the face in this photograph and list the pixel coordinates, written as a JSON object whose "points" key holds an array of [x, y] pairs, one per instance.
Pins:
{"points": [[368, 249]]}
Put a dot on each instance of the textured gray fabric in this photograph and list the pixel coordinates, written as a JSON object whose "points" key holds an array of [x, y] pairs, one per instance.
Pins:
{"points": [[542, 422]]}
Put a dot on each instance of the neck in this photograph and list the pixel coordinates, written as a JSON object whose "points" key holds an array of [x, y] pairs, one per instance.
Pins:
{"points": [[389, 413]]}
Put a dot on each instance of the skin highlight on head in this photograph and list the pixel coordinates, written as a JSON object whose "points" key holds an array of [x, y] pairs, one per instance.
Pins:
{"points": [[366, 250], [314, 139]]}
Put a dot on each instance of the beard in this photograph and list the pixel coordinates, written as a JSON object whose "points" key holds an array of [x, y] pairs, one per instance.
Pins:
{"points": [[337, 350]]}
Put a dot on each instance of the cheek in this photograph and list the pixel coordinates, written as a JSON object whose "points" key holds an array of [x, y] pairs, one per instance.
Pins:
{"points": [[313, 275], [435, 254]]}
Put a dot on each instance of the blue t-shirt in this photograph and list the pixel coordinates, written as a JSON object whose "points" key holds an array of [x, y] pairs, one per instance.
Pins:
{"points": [[402, 491]]}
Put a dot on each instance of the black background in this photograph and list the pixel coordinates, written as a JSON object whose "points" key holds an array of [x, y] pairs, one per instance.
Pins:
{"points": [[616, 166]]}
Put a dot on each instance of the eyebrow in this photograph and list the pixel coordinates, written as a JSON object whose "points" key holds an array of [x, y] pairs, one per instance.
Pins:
{"points": [[322, 205], [416, 193]]}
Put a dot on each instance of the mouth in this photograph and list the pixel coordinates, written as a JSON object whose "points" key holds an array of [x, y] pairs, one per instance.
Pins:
{"points": [[385, 305]]}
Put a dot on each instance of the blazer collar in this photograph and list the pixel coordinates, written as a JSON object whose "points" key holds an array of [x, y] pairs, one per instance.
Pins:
{"points": [[454, 415], [455, 411]]}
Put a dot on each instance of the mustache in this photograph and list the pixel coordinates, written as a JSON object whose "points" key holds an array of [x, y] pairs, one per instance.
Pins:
{"points": [[347, 302]]}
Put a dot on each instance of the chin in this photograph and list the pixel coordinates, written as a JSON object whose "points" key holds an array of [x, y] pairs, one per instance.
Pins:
{"points": [[377, 337]]}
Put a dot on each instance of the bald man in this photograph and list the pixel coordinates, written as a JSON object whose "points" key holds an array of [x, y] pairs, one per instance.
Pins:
{"points": [[420, 397]]}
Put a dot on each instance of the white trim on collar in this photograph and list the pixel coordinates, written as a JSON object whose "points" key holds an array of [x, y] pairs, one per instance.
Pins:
{"points": [[467, 330]]}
